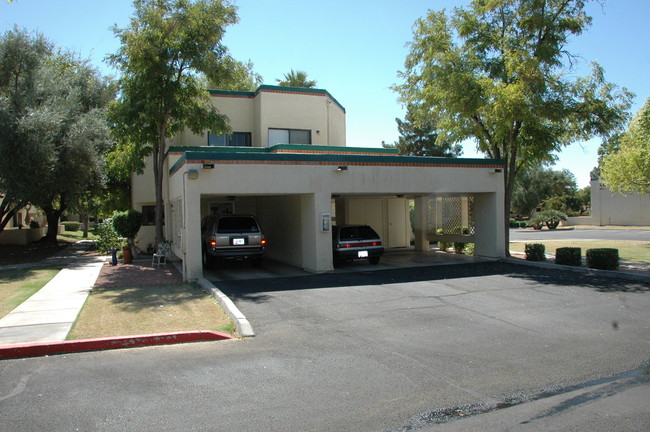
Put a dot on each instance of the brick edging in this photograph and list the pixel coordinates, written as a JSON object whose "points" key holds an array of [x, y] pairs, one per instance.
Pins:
{"points": [[100, 344]]}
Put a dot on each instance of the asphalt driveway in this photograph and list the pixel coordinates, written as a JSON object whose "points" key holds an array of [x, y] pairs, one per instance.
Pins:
{"points": [[365, 351]]}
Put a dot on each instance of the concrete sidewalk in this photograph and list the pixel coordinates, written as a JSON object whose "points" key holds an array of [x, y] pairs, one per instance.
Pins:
{"points": [[48, 315]]}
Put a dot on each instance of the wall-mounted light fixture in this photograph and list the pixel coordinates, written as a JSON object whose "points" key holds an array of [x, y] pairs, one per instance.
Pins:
{"points": [[192, 174], [208, 166], [342, 168]]}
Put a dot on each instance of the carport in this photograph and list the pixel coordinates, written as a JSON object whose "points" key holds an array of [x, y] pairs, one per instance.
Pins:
{"points": [[292, 188]]}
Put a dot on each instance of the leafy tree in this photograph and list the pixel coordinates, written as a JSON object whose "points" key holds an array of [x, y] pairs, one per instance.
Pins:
{"points": [[242, 77], [583, 196], [20, 56], [419, 137], [167, 44], [536, 185], [626, 166], [53, 127], [495, 72], [296, 79]]}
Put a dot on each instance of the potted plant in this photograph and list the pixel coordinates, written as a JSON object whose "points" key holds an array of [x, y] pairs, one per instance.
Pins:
{"points": [[127, 224]]}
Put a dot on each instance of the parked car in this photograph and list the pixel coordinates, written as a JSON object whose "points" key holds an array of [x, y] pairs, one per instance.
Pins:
{"points": [[356, 242], [231, 237]]}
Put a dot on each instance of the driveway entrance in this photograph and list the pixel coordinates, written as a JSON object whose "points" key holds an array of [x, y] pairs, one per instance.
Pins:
{"points": [[392, 259]]}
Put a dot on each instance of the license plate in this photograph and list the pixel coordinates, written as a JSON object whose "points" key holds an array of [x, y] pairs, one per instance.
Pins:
{"points": [[238, 241], [363, 254]]}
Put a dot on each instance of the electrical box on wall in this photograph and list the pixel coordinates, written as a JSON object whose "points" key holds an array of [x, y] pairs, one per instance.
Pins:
{"points": [[325, 222]]}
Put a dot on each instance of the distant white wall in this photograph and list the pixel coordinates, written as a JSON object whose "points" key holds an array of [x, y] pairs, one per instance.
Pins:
{"points": [[609, 208]]}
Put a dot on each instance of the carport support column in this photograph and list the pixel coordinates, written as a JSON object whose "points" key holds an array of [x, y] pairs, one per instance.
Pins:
{"points": [[316, 243], [192, 260], [489, 234], [420, 228]]}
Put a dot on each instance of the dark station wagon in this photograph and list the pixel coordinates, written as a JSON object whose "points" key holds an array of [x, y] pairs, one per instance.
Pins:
{"points": [[231, 237]]}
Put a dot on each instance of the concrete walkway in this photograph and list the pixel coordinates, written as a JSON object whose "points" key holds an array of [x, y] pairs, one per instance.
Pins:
{"points": [[48, 315]]}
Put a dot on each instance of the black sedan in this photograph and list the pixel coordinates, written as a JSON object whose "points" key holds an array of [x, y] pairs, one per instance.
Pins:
{"points": [[356, 242]]}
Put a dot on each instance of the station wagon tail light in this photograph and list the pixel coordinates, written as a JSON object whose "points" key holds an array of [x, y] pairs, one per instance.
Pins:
{"points": [[263, 241]]}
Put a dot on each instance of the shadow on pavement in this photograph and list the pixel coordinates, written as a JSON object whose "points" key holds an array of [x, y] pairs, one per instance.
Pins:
{"points": [[253, 290]]}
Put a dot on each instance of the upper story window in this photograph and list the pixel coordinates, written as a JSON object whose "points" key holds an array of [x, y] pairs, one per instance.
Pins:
{"points": [[289, 136], [235, 139]]}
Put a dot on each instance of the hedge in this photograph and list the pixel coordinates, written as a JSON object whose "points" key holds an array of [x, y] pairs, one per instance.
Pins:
{"points": [[535, 252], [71, 225], [571, 256], [602, 258]]}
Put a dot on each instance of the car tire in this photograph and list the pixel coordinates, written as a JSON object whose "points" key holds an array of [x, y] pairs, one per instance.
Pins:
{"points": [[208, 260], [373, 260]]}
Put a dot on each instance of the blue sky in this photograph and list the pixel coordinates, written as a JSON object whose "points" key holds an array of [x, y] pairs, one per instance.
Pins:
{"points": [[352, 48]]}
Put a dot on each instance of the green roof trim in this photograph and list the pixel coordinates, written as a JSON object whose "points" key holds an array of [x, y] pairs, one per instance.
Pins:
{"points": [[281, 89], [208, 155]]}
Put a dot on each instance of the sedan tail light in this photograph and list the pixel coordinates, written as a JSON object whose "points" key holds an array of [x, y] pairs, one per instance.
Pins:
{"points": [[263, 241]]}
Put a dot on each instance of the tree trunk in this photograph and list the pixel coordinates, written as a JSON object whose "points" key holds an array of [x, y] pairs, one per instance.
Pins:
{"points": [[84, 219], [52, 216], [159, 163]]}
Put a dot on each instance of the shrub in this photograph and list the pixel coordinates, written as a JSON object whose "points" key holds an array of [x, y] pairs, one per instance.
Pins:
{"points": [[469, 249], [463, 230], [570, 256], [552, 218], [602, 258], [33, 224], [127, 223], [107, 237], [443, 246], [71, 225], [522, 224], [459, 247], [537, 222], [535, 252]]}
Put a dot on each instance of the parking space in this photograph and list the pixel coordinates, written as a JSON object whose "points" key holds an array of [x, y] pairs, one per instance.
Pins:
{"points": [[392, 259]]}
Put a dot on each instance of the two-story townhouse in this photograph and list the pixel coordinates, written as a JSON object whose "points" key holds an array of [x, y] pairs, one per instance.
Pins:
{"points": [[287, 162]]}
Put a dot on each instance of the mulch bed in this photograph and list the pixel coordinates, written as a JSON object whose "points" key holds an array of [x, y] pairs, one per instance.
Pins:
{"points": [[139, 273]]}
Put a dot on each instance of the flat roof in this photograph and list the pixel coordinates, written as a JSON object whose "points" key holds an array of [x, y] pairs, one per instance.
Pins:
{"points": [[277, 89], [291, 154]]}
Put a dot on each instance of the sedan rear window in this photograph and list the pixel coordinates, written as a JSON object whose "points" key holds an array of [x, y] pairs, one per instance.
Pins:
{"points": [[233, 225], [357, 232]]}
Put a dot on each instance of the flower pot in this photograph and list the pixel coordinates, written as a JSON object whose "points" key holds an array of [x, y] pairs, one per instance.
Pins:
{"points": [[128, 255]]}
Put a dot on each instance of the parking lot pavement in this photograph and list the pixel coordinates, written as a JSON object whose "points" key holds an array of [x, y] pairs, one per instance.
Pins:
{"points": [[392, 259], [358, 351]]}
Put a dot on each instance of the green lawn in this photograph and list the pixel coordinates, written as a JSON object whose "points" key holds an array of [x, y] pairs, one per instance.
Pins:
{"points": [[18, 285], [631, 251], [75, 236]]}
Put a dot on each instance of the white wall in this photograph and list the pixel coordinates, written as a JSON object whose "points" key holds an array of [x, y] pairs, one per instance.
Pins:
{"points": [[608, 208]]}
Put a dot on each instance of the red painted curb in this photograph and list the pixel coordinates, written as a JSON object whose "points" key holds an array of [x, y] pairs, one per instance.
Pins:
{"points": [[54, 348]]}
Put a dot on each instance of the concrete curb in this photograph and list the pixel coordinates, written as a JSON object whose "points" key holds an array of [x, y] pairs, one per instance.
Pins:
{"points": [[101, 344], [584, 270], [244, 328]]}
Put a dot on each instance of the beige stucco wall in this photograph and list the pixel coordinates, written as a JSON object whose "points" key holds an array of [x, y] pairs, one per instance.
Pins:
{"points": [[293, 197], [313, 112], [609, 208], [316, 112]]}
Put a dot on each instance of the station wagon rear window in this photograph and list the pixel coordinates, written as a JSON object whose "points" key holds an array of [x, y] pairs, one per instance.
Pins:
{"points": [[237, 225]]}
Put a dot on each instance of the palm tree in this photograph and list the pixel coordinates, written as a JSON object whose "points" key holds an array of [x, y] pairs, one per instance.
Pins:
{"points": [[296, 79]]}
